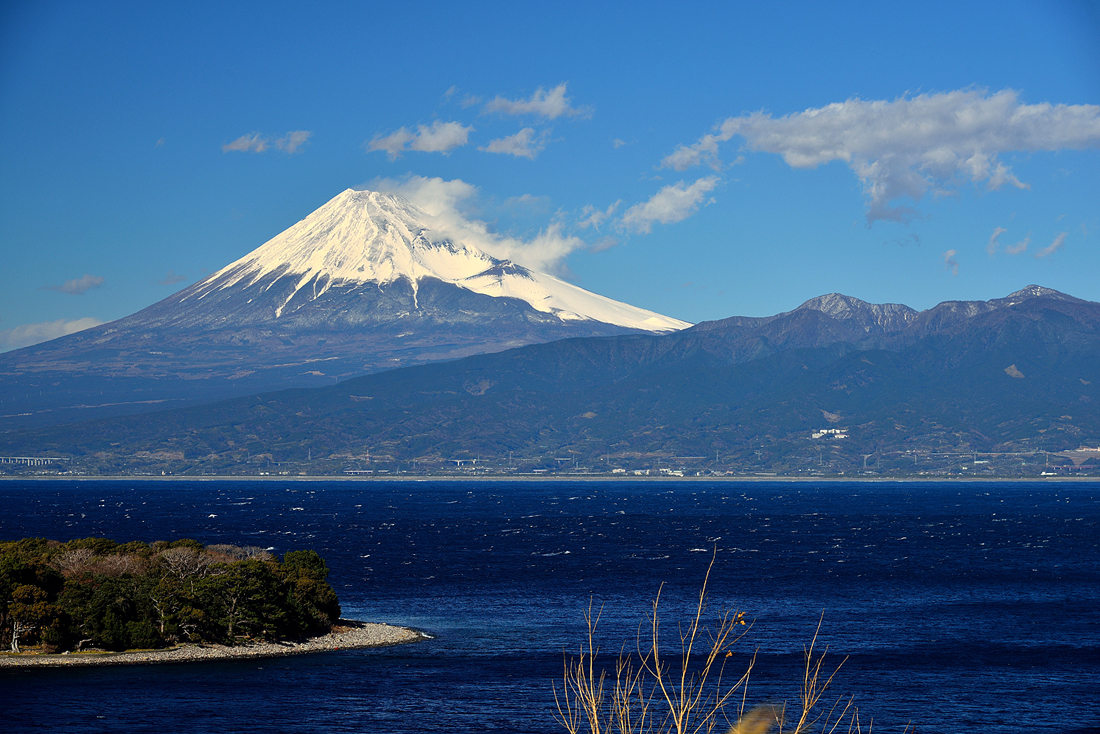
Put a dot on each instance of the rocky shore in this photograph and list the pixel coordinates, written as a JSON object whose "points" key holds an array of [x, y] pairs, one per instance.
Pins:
{"points": [[345, 635]]}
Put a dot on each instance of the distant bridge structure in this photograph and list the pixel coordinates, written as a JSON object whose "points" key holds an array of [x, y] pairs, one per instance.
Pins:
{"points": [[33, 460]]}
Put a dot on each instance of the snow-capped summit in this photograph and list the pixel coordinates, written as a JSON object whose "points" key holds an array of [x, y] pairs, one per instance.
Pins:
{"points": [[871, 317], [361, 285], [368, 237], [1033, 291]]}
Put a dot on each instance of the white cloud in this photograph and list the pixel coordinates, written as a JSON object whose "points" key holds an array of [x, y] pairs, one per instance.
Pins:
{"points": [[23, 336], [257, 143], [524, 144], [673, 203], [950, 263], [703, 151], [593, 217], [1019, 247], [904, 148], [434, 195], [439, 137], [77, 286], [551, 105], [449, 203], [1053, 247], [254, 142], [293, 140], [991, 248], [394, 143]]}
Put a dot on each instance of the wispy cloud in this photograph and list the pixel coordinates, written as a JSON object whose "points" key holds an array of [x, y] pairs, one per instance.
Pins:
{"points": [[254, 142], [439, 137], [991, 247], [294, 140], [604, 243], [77, 286], [550, 105], [1019, 247], [1053, 247], [527, 203], [28, 334], [171, 278], [467, 100], [593, 217], [524, 144], [393, 144], [673, 203], [910, 239], [257, 143], [950, 263], [450, 204], [907, 147], [703, 151]]}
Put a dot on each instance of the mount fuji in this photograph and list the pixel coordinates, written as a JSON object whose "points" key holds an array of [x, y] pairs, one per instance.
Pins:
{"points": [[360, 285]]}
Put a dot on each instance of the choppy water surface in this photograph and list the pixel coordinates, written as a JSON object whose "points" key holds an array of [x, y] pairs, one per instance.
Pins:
{"points": [[960, 606]]}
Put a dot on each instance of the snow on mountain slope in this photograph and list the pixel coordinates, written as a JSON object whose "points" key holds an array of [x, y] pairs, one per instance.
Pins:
{"points": [[889, 317], [371, 237]]}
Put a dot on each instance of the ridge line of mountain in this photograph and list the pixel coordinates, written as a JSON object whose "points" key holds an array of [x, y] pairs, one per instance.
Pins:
{"points": [[1011, 378]]}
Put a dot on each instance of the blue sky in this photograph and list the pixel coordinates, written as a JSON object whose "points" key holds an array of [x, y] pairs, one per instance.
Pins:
{"points": [[701, 160]]}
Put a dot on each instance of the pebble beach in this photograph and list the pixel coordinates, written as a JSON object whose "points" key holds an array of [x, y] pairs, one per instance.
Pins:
{"points": [[345, 635]]}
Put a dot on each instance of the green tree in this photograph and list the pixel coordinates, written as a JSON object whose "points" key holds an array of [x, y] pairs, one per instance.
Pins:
{"points": [[30, 611], [244, 598], [122, 596], [114, 613], [312, 601], [23, 563]]}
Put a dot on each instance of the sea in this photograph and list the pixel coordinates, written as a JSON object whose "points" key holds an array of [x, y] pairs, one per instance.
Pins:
{"points": [[948, 607]]}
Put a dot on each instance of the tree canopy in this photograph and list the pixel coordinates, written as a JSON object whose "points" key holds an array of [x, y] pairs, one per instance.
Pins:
{"points": [[94, 592]]}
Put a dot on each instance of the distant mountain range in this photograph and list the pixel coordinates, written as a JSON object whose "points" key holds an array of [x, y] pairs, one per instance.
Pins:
{"points": [[360, 285], [836, 383]]}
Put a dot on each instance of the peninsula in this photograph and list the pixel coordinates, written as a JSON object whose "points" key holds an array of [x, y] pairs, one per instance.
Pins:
{"points": [[346, 634], [95, 601]]}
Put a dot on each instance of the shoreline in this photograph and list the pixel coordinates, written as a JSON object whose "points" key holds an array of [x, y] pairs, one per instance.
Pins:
{"points": [[531, 478], [347, 634]]}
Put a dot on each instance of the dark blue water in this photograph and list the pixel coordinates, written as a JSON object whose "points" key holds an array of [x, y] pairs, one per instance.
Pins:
{"points": [[960, 607]]}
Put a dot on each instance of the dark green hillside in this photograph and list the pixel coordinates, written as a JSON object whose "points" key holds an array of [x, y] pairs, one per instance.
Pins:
{"points": [[1008, 380]]}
